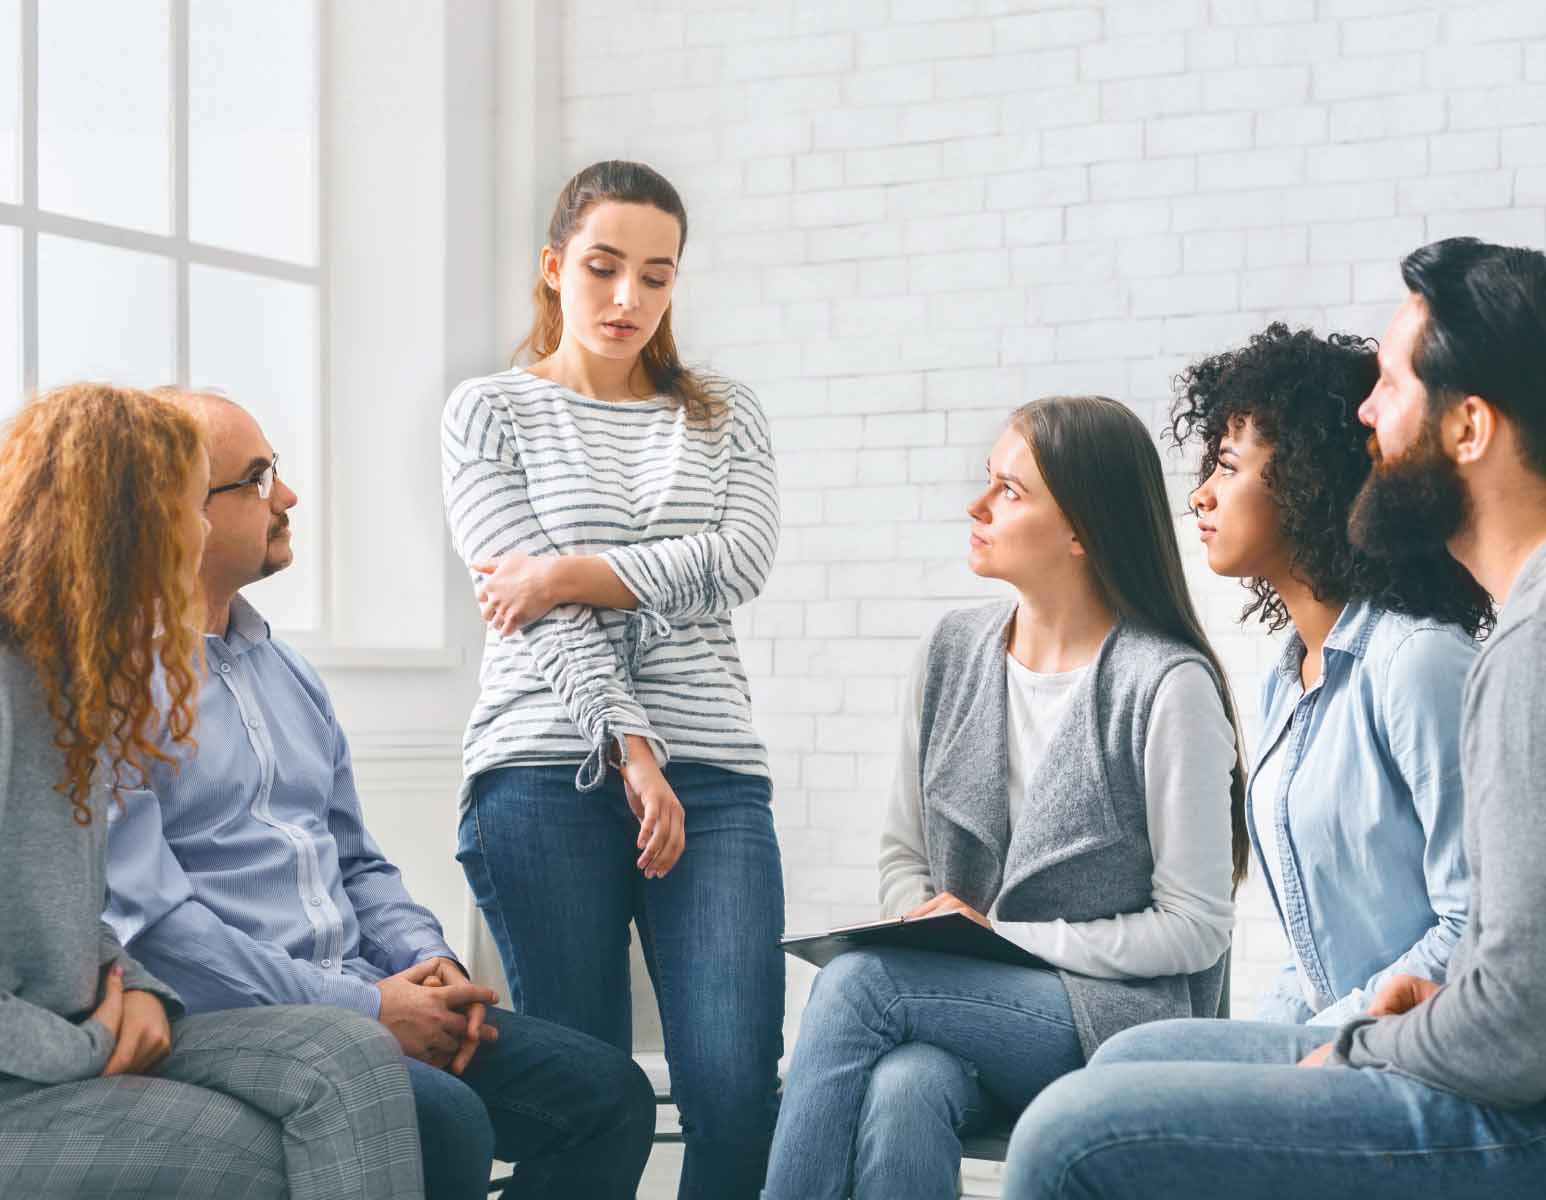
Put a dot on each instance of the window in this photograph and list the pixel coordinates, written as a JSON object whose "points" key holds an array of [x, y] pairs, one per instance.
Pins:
{"points": [[161, 194]]}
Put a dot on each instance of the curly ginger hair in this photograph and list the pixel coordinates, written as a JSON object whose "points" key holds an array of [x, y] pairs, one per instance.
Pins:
{"points": [[96, 589]]}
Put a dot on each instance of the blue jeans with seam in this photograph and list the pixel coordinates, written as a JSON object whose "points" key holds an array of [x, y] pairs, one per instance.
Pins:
{"points": [[901, 1052], [575, 1116], [1191, 1108], [553, 871]]}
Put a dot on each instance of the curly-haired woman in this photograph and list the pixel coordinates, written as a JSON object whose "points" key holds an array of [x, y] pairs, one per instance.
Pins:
{"points": [[1354, 802], [103, 1091]]}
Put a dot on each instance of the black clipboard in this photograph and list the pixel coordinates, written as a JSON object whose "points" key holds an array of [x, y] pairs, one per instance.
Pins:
{"points": [[942, 933]]}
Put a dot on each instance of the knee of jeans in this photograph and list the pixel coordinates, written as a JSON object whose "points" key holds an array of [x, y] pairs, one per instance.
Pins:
{"points": [[1050, 1132], [625, 1097], [452, 1117], [731, 1099], [916, 1076], [1139, 1043], [727, 1099], [856, 979]]}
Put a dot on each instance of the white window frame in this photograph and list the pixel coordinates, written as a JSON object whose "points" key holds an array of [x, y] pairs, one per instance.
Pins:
{"points": [[31, 221]]}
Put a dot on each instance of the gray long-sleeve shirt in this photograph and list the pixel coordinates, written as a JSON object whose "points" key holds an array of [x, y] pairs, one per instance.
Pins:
{"points": [[1481, 1034], [54, 945]]}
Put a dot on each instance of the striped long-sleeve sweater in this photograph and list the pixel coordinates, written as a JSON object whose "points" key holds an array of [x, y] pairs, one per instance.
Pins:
{"points": [[686, 515]]}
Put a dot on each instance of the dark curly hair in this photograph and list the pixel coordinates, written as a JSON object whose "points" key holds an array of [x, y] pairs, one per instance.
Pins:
{"points": [[1301, 394]]}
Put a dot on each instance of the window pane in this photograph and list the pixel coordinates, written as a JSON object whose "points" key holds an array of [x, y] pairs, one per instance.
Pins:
{"points": [[10, 101], [252, 126], [256, 340], [103, 313], [10, 322], [104, 111]]}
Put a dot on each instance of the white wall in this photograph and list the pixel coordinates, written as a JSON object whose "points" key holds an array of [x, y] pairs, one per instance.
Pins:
{"points": [[909, 216], [410, 128]]}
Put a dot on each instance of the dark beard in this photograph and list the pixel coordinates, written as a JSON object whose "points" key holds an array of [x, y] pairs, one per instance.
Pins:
{"points": [[270, 567], [1410, 505]]}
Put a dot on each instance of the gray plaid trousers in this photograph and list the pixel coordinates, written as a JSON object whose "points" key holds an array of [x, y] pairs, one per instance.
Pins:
{"points": [[307, 1102]]}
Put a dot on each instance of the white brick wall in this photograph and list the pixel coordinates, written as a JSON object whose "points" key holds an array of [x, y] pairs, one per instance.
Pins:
{"points": [[911, 215]]}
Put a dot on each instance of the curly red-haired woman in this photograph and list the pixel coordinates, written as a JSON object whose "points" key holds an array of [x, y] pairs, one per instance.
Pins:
{"points": [[103, 1090]]}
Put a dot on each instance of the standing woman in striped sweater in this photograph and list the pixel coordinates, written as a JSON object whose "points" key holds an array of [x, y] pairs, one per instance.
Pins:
{"points": [[614, 508]]}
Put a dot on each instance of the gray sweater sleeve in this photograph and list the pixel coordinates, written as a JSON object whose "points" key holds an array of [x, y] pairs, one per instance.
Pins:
{"points": [[65, 940], [1480, 1035], [35, 1043], [39, 1046]]}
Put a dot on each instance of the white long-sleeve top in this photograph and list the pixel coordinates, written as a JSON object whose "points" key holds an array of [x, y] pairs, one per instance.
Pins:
{"points": [[686, 514], [1188, 757]]}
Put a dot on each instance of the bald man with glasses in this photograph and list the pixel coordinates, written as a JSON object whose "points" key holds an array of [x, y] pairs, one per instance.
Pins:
{"points": [[262, 473], [245, 876]]}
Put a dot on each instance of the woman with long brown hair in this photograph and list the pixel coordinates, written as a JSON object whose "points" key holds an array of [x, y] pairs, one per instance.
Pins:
{"points": [[614, 507], [103, 1090], [1068, 775]]}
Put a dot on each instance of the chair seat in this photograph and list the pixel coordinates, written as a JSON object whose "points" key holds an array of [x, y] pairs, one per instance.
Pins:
{"points": [[992, 1146]]}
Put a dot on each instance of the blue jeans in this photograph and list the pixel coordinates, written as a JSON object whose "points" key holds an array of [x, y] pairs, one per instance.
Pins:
{"points": [[901, 1052], [577, 1116], [553, 871], [1193, 1108]]}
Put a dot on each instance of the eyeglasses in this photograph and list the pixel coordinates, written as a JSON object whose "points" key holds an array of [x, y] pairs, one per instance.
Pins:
{"points": [[263, 481]]}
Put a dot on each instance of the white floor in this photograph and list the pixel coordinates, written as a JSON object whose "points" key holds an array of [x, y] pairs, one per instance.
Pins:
{"points": [[660, 1176]]}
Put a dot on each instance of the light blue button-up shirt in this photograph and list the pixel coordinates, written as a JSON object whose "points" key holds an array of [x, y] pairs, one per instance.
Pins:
{"points": [[1367, 811], [248, 877]]}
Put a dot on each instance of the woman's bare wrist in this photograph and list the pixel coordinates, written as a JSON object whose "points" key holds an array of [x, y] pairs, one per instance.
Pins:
{"points": [[641, 755], [557, 578]]}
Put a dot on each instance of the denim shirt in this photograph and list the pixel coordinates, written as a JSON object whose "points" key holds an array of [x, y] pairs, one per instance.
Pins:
{"points": [[1367, 811]]}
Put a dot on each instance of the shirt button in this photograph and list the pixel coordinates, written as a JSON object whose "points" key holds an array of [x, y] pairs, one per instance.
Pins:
{"points": [[225, 668], [316, 900], [327, 962], [252, 722]]}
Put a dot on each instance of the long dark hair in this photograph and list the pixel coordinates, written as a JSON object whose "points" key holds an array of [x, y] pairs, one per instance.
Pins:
{"points": [[622, 183], [1102, 468], [1301, 393]]}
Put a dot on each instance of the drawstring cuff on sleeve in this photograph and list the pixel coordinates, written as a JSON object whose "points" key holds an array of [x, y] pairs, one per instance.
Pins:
{"points": [[593, 771], [641, 627]]}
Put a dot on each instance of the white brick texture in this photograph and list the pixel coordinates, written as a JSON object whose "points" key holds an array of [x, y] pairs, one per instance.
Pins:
{"points": [[910, 217]]}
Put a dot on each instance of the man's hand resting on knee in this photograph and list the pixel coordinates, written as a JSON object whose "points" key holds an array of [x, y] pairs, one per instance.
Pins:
{"points": [[449, 971], [435, 1014]]}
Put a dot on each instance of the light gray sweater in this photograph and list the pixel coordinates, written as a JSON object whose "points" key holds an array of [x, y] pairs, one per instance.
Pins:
{"points": [[1481, 1035], [54, 945], [1079, 849]]}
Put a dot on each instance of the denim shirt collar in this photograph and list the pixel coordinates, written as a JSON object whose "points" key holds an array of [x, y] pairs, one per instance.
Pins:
{"points": [[1349, 635]]}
